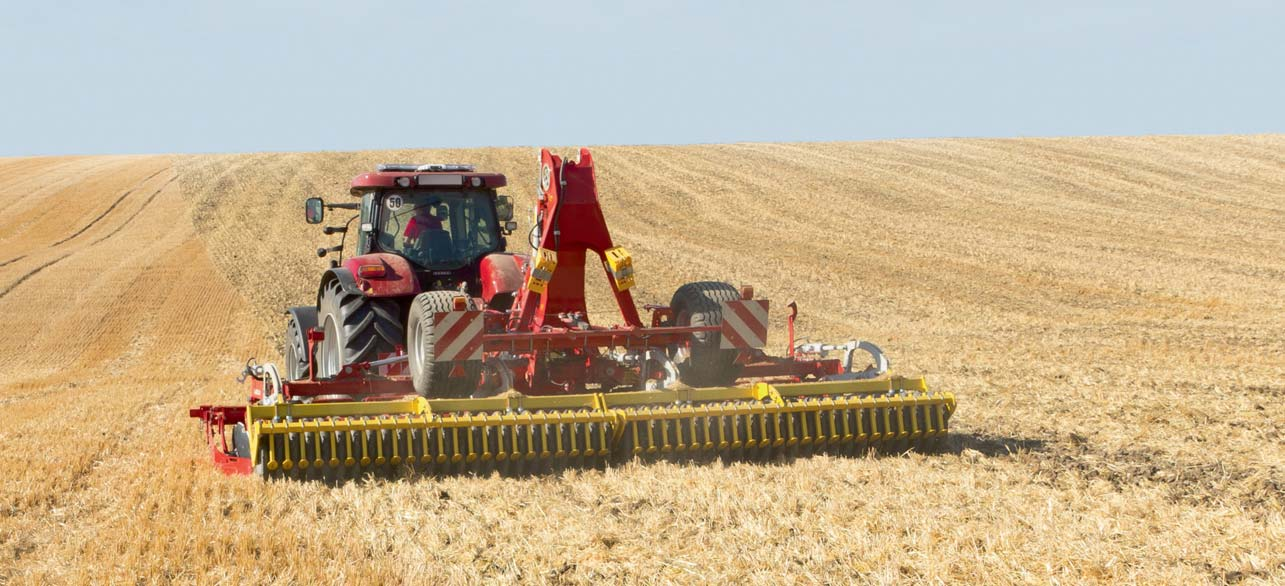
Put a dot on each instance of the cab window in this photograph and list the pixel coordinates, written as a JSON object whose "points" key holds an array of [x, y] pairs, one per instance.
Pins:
{"points": [[438, 230]]}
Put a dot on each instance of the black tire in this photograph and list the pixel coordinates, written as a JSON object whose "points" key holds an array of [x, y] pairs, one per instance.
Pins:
{"points": [[296, 355], [433, 379], [697, 304], [357, 329]]}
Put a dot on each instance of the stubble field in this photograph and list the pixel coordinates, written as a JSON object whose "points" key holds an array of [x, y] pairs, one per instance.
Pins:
{"points": [[1109, 312]]}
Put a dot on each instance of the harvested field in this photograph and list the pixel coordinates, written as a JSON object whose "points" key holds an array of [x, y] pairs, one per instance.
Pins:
{"points": [[1109, 312]]}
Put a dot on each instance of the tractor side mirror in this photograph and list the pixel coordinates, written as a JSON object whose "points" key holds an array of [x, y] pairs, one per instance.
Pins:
{"points": [[314, 210], [504, 207]]}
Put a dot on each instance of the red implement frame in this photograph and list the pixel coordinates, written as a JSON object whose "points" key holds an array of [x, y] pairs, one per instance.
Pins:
{"points": [[216, 420], [571, 224]]}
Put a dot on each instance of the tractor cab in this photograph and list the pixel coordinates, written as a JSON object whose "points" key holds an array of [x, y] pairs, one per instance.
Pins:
{"points": [[442, 219]]}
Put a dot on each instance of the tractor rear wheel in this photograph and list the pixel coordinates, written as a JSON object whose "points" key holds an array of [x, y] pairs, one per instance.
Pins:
{"points": [[697, 304], [357, 329], [433, 379]]}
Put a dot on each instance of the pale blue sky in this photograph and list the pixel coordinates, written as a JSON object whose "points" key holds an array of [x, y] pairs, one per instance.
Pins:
{"points": [[159, 77]]}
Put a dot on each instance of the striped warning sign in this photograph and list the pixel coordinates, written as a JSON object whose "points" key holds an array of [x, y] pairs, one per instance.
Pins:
{"points": [[457, 336], [744, 324]]}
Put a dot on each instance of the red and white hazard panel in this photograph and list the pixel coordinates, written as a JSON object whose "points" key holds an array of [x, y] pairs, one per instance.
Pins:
{"points": [[744, 324], [458, 336]]}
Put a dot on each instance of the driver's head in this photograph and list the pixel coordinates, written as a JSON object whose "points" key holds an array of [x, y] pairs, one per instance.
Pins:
{"points": [[431, 210]]}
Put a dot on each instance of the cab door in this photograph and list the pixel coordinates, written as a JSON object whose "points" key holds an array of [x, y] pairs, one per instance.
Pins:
{"points": [[366, 226]]}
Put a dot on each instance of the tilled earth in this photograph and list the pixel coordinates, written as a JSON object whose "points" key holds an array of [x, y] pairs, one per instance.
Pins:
{"points": [[1109, 312]]}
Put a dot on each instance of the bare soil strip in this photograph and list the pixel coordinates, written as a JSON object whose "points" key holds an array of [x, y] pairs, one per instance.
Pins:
{"points": [[29, 274], [108, 210]]}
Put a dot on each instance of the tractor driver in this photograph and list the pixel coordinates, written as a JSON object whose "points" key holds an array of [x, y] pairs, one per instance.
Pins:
{"points": [[425, 234]]}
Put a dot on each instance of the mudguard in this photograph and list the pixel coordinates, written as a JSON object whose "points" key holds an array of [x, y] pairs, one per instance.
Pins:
{"points": [[398, 278], [501, 273]]}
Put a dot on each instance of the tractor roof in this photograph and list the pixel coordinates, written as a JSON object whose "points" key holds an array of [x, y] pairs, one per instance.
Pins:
{"points": [[434, 176]]}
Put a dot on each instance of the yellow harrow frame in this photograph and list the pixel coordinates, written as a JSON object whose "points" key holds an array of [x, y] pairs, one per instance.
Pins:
{"points": [[520, 433]]}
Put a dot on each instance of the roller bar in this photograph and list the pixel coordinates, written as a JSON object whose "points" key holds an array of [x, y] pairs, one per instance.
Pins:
{"points": [[520, 433]]}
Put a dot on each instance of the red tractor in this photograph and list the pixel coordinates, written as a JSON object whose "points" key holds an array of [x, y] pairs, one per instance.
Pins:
{"points": [[429, 237]]}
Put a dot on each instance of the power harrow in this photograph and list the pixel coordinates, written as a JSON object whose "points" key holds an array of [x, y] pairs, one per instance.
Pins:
{"points": [[433, 348]]}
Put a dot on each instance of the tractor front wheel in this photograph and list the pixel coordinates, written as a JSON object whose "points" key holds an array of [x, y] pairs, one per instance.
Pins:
{"points": [[297, 357]]}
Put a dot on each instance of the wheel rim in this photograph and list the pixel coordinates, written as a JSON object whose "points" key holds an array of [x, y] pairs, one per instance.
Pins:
{"points": [[331, 361], [416, 346], [291, 361], [292, 350]]}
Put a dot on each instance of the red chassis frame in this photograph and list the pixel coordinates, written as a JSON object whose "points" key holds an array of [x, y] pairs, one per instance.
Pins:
{"points": [[363, 381]]}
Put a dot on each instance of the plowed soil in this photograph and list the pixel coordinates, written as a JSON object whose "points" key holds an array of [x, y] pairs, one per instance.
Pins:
{"points": [[1109, 312]]}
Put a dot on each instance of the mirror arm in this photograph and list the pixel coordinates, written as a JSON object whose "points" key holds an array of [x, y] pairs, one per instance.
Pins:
{"points": [[342, 239], [344, 236], [343, 206]]}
